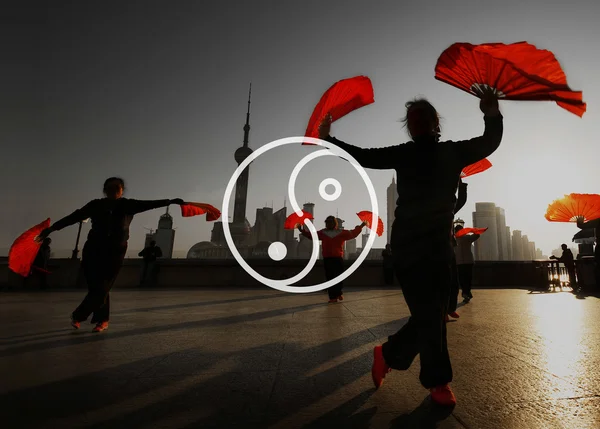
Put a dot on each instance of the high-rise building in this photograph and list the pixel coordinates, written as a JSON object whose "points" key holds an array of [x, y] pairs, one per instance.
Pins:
{"points": [[532, 250], [392, 197], [164, 235], [517, 245], [526, 249], [501, 231], [484, 216], [509, 244], [304, 246], [350, 248], [539, 254]]}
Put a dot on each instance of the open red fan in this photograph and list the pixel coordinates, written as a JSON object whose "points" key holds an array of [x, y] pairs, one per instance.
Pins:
{"points": [[567, 209], [25, 248], [517, 71], [466, 231], [293, 220], [342, 98], [478, 167], [367, 217], [196, 209]]}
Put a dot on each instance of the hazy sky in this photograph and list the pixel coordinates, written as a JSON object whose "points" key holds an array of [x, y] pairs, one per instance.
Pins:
{"points": [[156, 92]]}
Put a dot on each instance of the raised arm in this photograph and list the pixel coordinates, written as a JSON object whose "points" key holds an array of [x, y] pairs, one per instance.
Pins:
{"points": [[462, 196], [351, 234], [138, 206], [382, 158], [77, 216], [306, 233]]}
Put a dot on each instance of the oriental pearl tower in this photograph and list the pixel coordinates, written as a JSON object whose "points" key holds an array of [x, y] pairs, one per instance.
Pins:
{"points": [[240, 227]]}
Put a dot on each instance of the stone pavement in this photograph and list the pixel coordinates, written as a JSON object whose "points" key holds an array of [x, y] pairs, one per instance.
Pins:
{"points": [[259, 358]]}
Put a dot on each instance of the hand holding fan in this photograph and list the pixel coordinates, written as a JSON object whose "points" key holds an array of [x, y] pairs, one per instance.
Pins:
{"points": [[367, 217], [466, 231], [517, 71], [293, 220], [571, 206], [25, 248], [340, 99], [196, 209], [478, 167]]}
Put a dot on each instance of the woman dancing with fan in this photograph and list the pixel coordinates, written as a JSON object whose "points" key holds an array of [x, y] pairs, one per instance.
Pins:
{"points": [[105, 248], [428, 173], [333, 240]]}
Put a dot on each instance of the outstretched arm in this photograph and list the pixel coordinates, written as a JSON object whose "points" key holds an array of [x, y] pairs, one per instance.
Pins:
{"points": [[349, 235], [307, 234], [589, 224], [462, 196], [139, 206], [77, 216]]}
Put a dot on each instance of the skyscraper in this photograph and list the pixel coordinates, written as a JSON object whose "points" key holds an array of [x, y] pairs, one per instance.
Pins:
{"points": [[509, 244], [526, 249], [517, 245], [501, 231], [484, 216], [392, 197]]}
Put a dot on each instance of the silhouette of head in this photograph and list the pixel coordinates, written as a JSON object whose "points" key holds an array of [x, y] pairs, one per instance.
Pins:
{"points": [[457, 228], [421, 118], [564, 246], [331, 222], [152, 243], [114, 187]]}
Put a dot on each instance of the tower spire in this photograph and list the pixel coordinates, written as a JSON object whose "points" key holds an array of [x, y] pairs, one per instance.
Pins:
{"points": [[247, 126]]}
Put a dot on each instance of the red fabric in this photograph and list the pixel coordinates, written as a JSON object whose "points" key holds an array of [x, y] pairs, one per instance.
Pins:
{"points": [[342, 98], [566, 209], [366, 216], [294, 220], [196, 209], [478, 167], [333, 247], [518, 71], [24, 250], [466, 231]]}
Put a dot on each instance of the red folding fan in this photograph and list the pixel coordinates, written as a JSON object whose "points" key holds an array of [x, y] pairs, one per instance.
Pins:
{"points": [[518, 71], [466, 231], [367, 217], [339, 100], [568, 208], [478, 167], [25, 248], [294, 220], [196, 209]]}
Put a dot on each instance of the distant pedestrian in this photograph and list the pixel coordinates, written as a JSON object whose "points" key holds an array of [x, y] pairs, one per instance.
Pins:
{"points": [[149, 254]]}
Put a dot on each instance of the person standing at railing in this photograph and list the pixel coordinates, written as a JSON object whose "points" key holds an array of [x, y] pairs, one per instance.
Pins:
{"points": [[569, 261]]}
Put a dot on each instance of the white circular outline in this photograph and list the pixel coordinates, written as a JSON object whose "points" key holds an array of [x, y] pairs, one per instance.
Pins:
{"points": [[275, 246], [336, 193], [284, 285]]}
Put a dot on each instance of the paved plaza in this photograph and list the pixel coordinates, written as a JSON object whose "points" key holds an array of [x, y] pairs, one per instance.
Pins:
{"points": [[259, 358]]}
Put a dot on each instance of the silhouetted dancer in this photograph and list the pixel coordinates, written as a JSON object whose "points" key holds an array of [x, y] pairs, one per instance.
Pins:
{"points": [[568, 260], [388, 265], [593, 224], [464, 262], [454, 284], [40, 264], [332, 246], [105, 248], [150, 254], [428, 172]]}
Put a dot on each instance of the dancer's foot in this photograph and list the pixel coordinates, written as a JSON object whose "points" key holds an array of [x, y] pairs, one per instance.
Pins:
{"points": [[380, 368], [333, 301], [75, 323], [340, 298], [443, 395], [454, 315], [101, 326]]}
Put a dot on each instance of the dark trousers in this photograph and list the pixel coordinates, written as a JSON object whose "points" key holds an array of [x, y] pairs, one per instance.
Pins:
{"points": [[426, 288], [572, 276], [149, 274], [388, 275], [465, 278], [454, 287], [333, 268], [100, 268]]}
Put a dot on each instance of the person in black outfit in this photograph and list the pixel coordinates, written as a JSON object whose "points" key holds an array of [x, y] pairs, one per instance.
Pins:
{"points": [[455, 283], [596, 225], [150, 254], [568, 259], [428, 173], [388, 265], [105, 248]]}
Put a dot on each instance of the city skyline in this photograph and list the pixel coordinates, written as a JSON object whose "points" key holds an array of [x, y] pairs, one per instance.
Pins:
{"points": [[167, 111]]}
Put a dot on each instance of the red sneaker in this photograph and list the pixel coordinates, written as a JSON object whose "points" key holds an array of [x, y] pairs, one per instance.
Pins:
{"points": [[333, 301], [340, 298], [443, 395], [380, 368], [75, 323], [454, 315], [102, 326]]}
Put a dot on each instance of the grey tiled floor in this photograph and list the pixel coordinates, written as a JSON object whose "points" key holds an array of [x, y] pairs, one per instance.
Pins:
{"points": [[259, 358]]}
